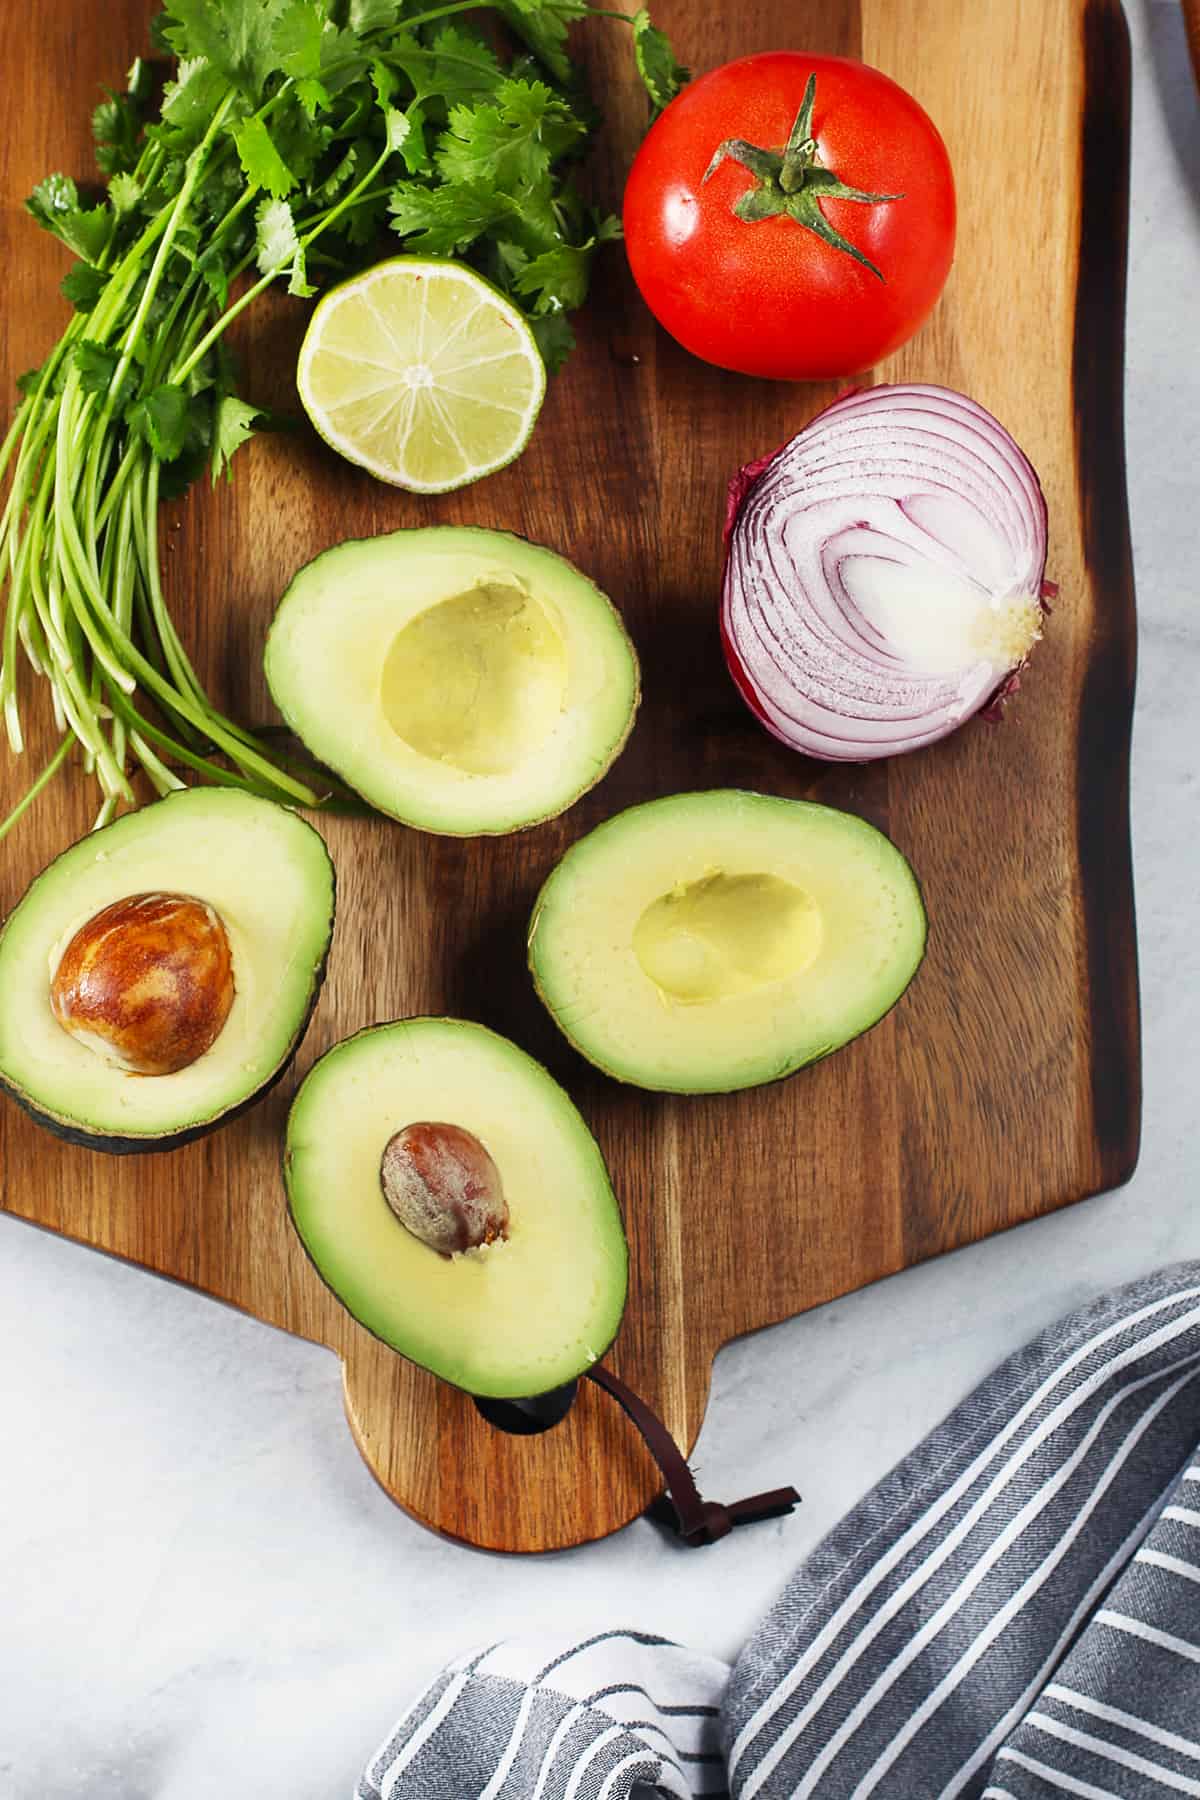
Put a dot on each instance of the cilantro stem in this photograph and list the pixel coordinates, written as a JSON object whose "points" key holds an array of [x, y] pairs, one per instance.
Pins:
{"points": [[442, 12], [195, 163], [43, 780], [14, 433], [181, 371]]}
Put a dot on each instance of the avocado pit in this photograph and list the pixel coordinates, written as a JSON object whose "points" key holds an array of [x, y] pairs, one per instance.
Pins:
{"points": [[443, 1186], [147, 983]]}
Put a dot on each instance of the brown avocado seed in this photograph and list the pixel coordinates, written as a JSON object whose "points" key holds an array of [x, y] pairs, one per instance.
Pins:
{"points": [[444, 1187], [147, 983]]}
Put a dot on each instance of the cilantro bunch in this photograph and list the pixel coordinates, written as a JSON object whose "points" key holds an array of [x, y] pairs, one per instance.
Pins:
{"points": [[290, 136]]}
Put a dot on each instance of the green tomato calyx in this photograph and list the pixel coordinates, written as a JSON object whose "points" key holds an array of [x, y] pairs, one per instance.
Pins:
{"points": [[792, 182]]}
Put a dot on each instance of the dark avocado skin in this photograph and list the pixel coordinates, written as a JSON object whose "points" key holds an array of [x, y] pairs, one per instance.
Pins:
{"points": [[115, 1145]]}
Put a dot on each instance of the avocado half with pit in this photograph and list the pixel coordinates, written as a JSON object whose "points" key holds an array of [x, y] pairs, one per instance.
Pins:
{"points": [[712, 941], [450, 1194], [159, 975], [464, 681]]}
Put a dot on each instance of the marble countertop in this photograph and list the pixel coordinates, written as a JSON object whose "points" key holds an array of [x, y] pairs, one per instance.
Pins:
{"points": [[202, 1590]]}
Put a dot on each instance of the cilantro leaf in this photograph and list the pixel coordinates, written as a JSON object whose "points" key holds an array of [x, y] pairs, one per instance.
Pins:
{"points": [[124, 193], [29, 382], [106, 121], [542, 24], [373, 15], [189, 103], [300, 141], [297, 38], [83, 285], [384, 81], [555, 339], [54, 203], [116, 126], [661, 75], [260, 159], [442, 221], [510, 142], [161, 418], [344, 60], [339, 177], [414, 150], [235, 36], [277, 239], [313, 95], [558, 279], [397, 127], [360, 223], [95, 364], [86, 232], [462, 63], [298, 282], [52, 200], [210, 266], [452, 63], [190, 460], [233, 425]]}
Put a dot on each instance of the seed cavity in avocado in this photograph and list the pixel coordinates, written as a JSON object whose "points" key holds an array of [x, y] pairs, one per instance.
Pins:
{"points": [[478, 681], [444, 1187], [147, 983], [725, 934]]}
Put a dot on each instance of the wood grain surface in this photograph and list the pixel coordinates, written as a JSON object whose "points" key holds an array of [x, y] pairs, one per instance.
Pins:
{"points": [[1005, 1084]]}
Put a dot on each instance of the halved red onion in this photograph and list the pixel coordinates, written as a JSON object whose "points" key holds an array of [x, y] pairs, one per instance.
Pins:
{"points": [[884, 574]]}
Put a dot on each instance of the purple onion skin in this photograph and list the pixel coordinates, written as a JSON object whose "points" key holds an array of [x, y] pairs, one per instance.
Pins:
{"points": [[843, 695]]}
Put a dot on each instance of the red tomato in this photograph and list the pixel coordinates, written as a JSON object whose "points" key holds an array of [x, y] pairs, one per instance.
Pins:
{"points": [[769, 296]]}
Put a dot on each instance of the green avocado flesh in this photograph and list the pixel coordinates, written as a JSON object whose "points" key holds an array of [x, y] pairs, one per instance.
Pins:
{"points": [[511, 1319], [264, 871], [464, 681], [712, 941]]}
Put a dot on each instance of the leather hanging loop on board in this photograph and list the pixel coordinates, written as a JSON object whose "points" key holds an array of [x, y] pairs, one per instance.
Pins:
{"points": [[697, 1521]]}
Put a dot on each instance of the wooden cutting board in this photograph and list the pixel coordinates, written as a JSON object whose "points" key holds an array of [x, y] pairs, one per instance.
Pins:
{"points": [[1005, 1084]]}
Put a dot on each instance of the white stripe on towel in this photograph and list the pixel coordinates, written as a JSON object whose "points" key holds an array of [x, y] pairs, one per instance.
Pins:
{"points": [[1150, 1634], [1126, 1759], [1056, 1778], [1175, 1565], [1113, 1715]]}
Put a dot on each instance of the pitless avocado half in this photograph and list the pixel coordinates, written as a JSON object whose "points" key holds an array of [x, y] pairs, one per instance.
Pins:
{"points": [[712, 941], [159, 975], [464, 681]]}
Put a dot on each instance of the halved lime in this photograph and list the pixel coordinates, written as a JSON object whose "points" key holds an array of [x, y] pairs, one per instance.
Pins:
{"points": [[423, 373]]}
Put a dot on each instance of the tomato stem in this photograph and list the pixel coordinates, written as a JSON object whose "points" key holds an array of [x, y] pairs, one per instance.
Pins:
{"points": [[792, 182]]}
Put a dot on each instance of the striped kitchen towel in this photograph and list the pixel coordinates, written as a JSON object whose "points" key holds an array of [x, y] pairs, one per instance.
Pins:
{"points": [[1013, 1613]]}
